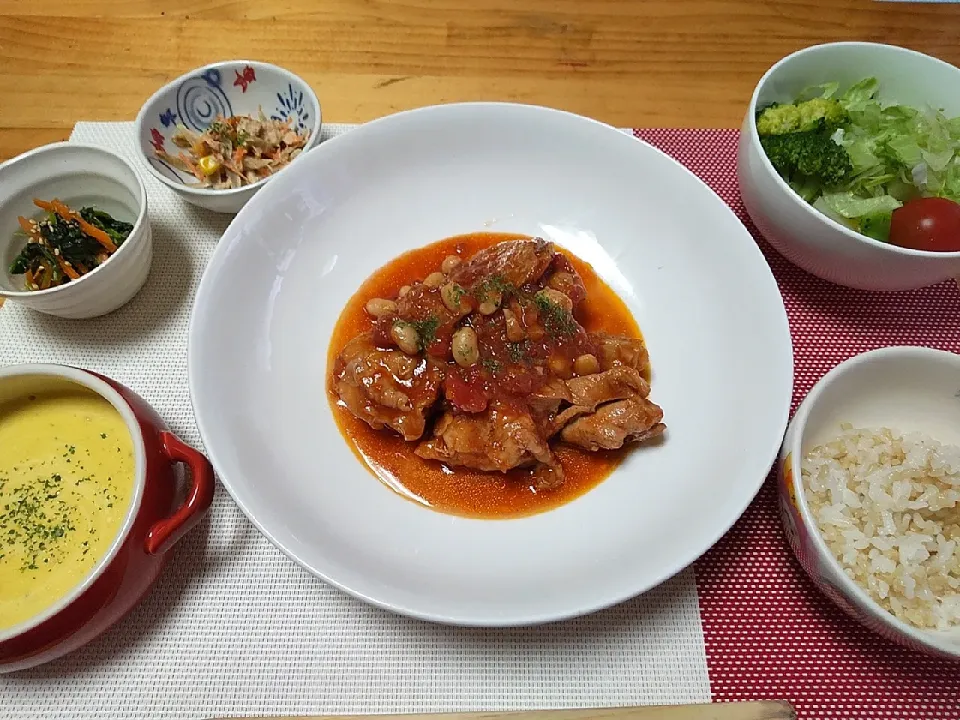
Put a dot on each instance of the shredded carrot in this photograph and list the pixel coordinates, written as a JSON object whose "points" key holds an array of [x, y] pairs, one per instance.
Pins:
{"points": [[233, 168], [67, 214], [97, 234], [91, 230], [28, 276], [69, 271], [44, 278], [32, 231], [191, 166]]}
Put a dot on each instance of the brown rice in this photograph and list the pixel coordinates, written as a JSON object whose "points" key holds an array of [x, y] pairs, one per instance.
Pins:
{"points": [[888, 506]]}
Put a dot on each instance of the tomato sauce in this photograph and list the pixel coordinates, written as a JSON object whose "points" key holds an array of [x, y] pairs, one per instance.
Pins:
{"points": [[458, 490]]}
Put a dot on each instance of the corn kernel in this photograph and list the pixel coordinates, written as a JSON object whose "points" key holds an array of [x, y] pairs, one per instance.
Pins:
{"points": [[208, 165]]}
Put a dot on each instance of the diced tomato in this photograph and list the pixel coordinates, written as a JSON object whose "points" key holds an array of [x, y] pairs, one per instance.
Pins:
{"points": [[466, 396], [439, 348], [519, 381]]}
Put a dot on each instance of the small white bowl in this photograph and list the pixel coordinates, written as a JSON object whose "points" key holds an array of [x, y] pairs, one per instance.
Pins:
{"points": [[905, 388], [236, 87], [78, 175], [807, 237]]}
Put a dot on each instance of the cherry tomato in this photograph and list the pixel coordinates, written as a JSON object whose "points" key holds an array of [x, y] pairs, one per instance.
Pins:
{"points": [[927, 224]]}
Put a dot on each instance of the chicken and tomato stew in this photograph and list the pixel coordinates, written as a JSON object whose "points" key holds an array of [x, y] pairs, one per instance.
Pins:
{"points": [[490, 375]]}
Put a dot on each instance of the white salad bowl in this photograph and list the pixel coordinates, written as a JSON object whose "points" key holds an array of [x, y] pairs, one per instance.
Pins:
{"points": [[910, 389], [688, 270], [78, 175], [237, 87], [807, 237]]}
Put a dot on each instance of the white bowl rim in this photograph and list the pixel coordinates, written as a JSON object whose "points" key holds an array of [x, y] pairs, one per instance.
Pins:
{"points": [[446, 619], [207, 192], [137, 225], [755, 140], [90, 381], [928, 638]]}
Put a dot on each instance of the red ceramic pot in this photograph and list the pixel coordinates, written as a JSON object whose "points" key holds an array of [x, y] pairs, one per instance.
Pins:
{"points": [[160, 514]]}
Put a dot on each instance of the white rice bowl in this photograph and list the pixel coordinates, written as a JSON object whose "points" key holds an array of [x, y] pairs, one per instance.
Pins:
{"points": [[888, 507]]}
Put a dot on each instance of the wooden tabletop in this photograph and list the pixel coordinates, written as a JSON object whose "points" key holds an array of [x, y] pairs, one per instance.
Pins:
{"points": [[671, 63]]}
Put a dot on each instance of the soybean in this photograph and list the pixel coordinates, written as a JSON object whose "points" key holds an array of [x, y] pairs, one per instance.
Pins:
{"points": [[434, 280], [379, 307], [466, 352], [515, 331], [586, 365], [557, 298], [405, 336], [450, 263], [451, 294], [491, 302]]}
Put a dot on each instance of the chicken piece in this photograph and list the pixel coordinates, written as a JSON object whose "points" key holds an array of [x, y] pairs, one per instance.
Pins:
{"points": [[423, 303], [613, 350], [515, 262], [588, 391], [547, 477], [556, 423], [545, 403], [562, 276], [632, 420], [617, 383], [500, 438], [386, 388], [547, 399]]}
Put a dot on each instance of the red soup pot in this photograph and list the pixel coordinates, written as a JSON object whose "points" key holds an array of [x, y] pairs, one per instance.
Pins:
{"points": [[158, 517]]}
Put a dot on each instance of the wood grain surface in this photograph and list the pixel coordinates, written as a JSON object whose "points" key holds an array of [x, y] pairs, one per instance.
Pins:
{"points": [[718, 711], [670, 63]]}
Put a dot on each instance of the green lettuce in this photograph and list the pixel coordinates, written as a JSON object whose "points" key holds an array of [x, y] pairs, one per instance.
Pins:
{"points": [[898, 153], [868, 215]]}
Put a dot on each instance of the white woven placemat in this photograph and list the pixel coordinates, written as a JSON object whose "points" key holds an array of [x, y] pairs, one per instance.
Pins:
{"points": [[235, 628]]}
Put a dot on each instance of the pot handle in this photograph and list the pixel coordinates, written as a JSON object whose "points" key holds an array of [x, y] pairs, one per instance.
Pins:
{"points": [[165, 533]]}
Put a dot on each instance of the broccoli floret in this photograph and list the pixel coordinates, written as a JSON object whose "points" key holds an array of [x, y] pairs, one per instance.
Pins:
{"points": [[784, 119], [808, 158], [813, 110], [778, 119]]}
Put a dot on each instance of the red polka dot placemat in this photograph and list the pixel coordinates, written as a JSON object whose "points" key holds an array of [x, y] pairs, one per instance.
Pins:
{"points": [[769, 632]]}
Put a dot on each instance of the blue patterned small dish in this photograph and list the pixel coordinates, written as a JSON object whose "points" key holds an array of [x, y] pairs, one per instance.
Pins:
{"points": [[194, 100]]}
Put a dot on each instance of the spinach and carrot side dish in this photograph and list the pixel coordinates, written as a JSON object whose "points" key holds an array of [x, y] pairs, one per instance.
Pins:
{"points": [[66, 244]]}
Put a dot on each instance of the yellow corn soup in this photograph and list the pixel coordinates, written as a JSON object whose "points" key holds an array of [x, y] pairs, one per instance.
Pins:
{"points": [[66, 479]]}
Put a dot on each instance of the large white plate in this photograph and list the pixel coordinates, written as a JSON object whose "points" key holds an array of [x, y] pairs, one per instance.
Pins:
{"points": [[692, 275]]}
